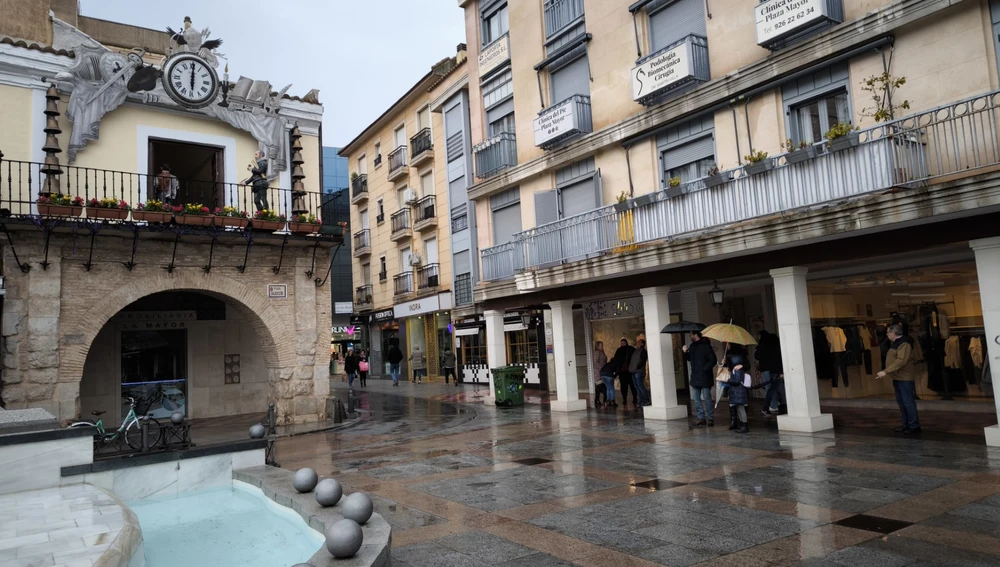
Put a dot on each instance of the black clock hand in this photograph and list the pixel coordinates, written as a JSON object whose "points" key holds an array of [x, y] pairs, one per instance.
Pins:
{"points": [[192, 79]]}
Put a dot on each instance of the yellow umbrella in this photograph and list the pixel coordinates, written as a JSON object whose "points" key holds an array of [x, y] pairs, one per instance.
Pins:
{"points": [[729, 333]]}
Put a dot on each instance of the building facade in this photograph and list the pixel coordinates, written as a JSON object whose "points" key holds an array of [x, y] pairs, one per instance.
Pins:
{"points": [[345, 333], [153, 285], [827, 166], [402, 219]]}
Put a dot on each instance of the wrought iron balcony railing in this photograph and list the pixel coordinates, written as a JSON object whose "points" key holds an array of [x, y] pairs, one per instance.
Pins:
{"points": [[362, 240], [400, 220], [402, 284], [425, 209], [22, 182], [363, 296], [954, 140], [561, 13], [495, 154], [421, 142], [359, 186], [427, 276], [397, 159]]}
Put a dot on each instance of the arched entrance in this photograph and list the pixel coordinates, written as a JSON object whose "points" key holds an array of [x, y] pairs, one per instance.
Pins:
{"points": [[195, 352]]}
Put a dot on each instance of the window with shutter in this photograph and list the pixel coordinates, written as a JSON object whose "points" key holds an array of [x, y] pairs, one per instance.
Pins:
{"points": [[670, 22], [687, 150], [546, 207], [506, 223], [426, 184], [495, 23], [424, 118], [816, 102], [453, 121], [571, 79]]}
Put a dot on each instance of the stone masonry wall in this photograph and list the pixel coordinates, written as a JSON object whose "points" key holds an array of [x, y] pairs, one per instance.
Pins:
{"points": [[51, 316]]}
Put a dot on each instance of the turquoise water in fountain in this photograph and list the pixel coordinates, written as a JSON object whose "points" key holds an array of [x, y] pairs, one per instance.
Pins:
{"points": [[236, 526]]}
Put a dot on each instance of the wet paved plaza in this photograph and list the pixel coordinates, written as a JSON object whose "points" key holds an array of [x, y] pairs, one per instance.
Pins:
{"points": [[464, 484]]}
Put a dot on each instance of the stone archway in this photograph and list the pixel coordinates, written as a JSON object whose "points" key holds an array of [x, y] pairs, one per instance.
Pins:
{"points": [[274, 328]]}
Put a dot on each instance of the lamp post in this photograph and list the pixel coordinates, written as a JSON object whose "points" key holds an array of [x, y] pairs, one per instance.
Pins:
{"points": [[717, 294]]}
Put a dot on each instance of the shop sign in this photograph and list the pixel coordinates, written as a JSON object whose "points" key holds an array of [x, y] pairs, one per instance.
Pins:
{"points": [[386, 315], [473, 320], [358, 320], [277, 291], [343, 307], [494, 55], [423, 306], [343, 332], [662, 71], [776, 19], [556, 121], [152, 320], [631, 307]]}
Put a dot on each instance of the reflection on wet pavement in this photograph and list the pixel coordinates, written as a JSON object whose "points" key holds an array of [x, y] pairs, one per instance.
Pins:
{"points": [[467, 484]]}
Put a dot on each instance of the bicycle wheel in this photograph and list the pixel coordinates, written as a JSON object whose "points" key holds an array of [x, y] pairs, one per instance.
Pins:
{"points": [[133, 434]]}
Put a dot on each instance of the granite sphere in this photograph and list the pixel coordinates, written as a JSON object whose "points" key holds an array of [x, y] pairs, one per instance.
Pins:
{"points": [[328, 492], [257, 431], [177, 418], [343, 538], [357, 507], [305, 480]]}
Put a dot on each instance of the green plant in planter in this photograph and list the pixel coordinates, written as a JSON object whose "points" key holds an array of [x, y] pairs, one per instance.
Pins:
{"points": [[714, 170], [881, 89], [755, 156], [622, 197], [839, 130], [354, 176], [674, 182], [789, 145]]}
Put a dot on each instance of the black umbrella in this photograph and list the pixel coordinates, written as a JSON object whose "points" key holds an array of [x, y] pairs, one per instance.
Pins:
{"points": [[682, 327]]}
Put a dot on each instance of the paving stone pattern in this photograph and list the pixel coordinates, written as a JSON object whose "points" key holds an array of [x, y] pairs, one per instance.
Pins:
{"points": [[465, 484]]}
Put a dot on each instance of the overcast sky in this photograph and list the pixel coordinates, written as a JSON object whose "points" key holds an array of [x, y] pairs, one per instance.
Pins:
{"points": [[361, 54]]}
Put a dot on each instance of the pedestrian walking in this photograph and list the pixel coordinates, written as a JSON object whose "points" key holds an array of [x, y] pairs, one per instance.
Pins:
{"points": [[608, 372], [739, 384], [600, 358], [448, 363], [768, 355], [351, 367], [702, 357], [637, 368], [418, 362], [899, 366], [363, 367], [622, 358], [394, 357]]}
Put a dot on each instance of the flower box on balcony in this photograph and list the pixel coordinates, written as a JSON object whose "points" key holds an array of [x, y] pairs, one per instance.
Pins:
{"points": [[267, 225], [303, 227], [718, 179], [647, 199], [842, 143], [59, 210], [195, 220], [799, 156], [623, 206], [151, 216], [105, 213], [759, 167], [235, 222]]}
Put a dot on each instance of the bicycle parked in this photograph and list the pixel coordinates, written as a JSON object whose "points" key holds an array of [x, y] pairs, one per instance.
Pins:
{"points": [[130, 430]]}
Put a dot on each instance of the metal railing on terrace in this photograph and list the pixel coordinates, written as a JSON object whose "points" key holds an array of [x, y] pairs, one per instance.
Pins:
{"points": [[363, 295], [397, 159], [402, 284], [359, 186], [427, 276], [421, 142], [22, 182], [362, 240], [561, 13], [955, 139], [495, 154]]}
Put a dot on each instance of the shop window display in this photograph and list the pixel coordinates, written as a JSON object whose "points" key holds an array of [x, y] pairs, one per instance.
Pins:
{"points": [[938, 307]]}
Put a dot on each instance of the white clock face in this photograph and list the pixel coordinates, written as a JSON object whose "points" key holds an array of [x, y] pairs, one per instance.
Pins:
{"points": [[190, 81]]}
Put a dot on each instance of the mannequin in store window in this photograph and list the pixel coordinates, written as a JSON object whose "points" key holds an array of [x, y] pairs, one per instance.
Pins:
{"points": [[837, 340]]}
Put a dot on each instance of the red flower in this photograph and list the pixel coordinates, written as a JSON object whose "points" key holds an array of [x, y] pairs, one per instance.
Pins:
{"points": [[204, 210]]}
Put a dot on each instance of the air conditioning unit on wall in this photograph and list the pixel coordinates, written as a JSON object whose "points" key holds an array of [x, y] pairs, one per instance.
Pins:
{"points": [[410, 196], [415, 259]]}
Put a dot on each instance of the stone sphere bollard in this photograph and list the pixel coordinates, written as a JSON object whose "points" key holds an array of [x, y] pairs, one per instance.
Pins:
{"points": [[177, 418], [257, 431], [343, 538], [357, 507], [328, 492], [305, 480]]}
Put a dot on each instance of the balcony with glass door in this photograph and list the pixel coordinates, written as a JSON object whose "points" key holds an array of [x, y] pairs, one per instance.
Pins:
{"points": [[427, 277], [426, 214], [495, 155], [421, 148], [402, 284], [362, 243], [359, 188], [402, 225], [943, 144], [398, 167], [363, 298]]}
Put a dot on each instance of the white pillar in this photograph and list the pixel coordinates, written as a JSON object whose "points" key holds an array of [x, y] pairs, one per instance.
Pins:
{"points": [[660, 348], [988, 267], [564, 351], [496, 349], [791, 299]]}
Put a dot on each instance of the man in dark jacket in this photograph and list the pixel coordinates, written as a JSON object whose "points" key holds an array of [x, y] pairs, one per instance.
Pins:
{"points": [[258, 180], [768, 355], [394, 357], [702, 357], [622, 358], [900, 367], [637, 367]]}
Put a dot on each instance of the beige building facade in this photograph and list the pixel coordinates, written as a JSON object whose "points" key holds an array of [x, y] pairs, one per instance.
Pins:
{"points": [[402, 222], [824, 164], [205, 309]]}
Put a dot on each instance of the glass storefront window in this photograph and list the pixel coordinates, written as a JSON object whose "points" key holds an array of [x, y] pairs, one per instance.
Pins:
{"points": [[522, 346], [938, 307], [474, 348], [154, 371]]}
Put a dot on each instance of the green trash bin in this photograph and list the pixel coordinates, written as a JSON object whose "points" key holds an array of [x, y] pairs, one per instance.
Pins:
{"points": [[509, 384]]}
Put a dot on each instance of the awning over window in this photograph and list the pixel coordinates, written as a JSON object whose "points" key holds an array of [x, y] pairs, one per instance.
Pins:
{"points": [[472, 331]]}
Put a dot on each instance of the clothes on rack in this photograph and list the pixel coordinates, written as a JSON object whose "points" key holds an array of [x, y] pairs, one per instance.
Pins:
{"points": [[836, 338], [976, 350], [952, 353]]}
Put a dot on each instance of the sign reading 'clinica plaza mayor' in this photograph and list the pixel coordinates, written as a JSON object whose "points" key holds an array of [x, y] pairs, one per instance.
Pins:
{"points": [[778, 19]]}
